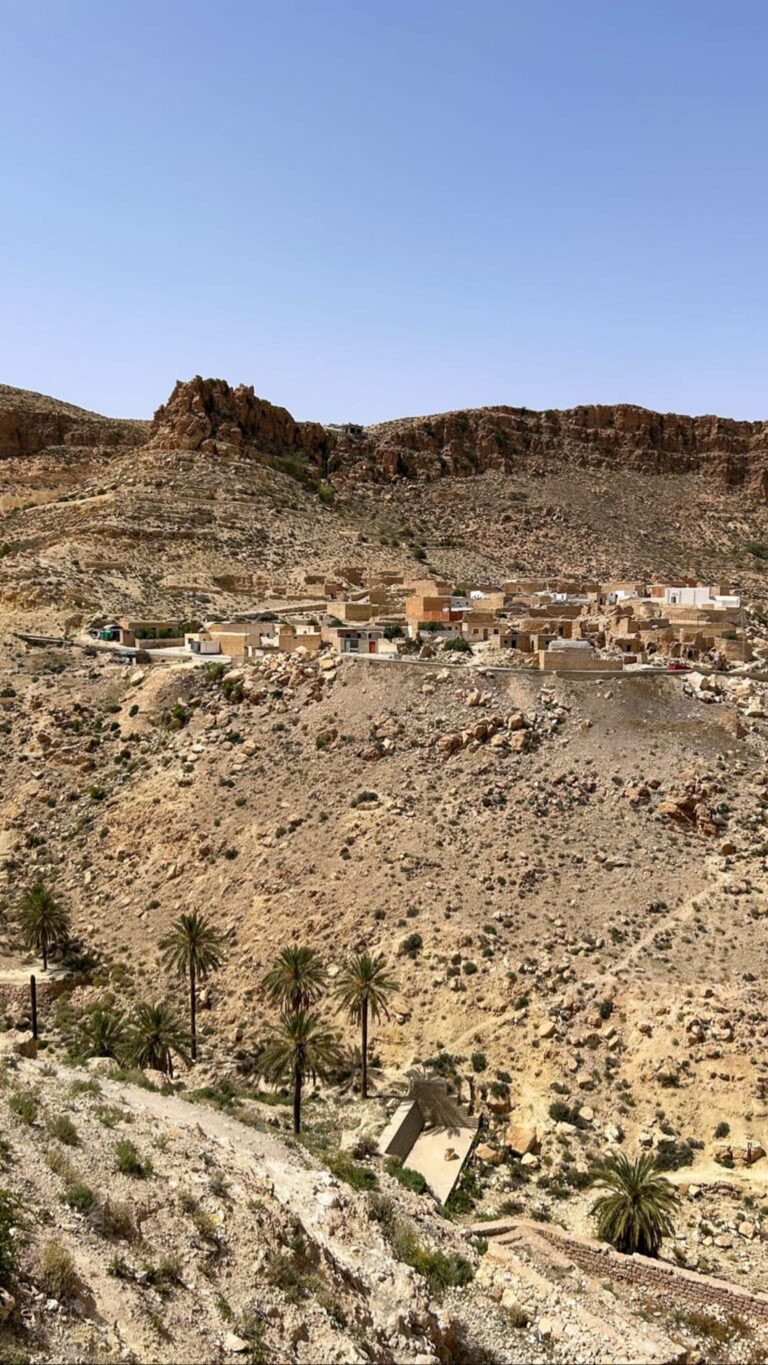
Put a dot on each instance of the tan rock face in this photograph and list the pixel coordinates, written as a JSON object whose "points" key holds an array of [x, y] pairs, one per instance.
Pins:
{"points": [[32, 422], [209, 415], [621, 436]]}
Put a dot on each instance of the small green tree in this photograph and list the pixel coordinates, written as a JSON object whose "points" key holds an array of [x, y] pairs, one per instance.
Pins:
{"points": [[635, 1212], [297, 979], [156, 1034], [302, 1046], [193, 949], [363, 990], [43, 920]]}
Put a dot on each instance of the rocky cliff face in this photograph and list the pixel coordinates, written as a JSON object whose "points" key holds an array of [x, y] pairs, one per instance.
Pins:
{"points": [[209, 415], [31, 423], [617, 437]]}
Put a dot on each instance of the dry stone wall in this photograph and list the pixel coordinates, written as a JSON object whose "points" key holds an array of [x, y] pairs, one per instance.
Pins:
{"points": [[684, 1286]]}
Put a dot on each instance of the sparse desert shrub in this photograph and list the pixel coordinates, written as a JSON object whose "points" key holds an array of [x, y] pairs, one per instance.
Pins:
{"points": [[359, 1177], [219, 1185], [84, 1088], [381, 1209], [116, 1221], [79, 1196], [440, 1271], [63, 1129], [720, 1330], [25, 1105], [165, 1275], [517, 1318], [410, 1180], [129, 1162], [479, 1062], [722, 1130], [109, 1115], [10, 1221], [58, 1162], [411, 945], [510, 1208], [56, 1272]]}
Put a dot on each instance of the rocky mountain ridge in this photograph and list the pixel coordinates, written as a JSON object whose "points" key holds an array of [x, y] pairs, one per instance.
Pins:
{"points": [[214, 418], [209, 415]]}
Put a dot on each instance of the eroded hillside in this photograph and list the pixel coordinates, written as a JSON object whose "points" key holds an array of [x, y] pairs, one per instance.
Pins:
{"points": [[226, 495]]}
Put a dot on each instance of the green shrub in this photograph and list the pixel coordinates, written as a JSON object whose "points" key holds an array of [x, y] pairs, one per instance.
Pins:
{"points": [[10, 1220], [722, 1130], [25, 1105], [63, 1129], [359, 1177], [410, 1180], [165, 1275], [440, 1271], [479, 1062], [79, 1196], [411, 945], [129, 1162]]}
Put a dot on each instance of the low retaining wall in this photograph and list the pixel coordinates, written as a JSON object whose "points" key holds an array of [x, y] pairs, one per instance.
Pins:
{"points": [[684, 1286]]}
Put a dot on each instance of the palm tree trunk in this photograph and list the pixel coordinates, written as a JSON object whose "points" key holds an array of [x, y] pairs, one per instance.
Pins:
{"points": [[44, 946], [364, 1057], [193, 1012], [298, 1081]]}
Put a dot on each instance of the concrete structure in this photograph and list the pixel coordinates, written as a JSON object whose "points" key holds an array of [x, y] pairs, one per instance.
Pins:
{"points": [[430, 1133]]}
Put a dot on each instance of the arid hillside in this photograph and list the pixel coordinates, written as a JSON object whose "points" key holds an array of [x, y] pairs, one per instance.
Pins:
{"points": [[225, 494], [566, 878]]}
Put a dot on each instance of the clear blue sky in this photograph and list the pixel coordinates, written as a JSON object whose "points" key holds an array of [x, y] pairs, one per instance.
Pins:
{"points": [[371, 208]]}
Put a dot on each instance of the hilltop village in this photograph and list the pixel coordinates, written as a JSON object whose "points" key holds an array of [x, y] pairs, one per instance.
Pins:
{"points": [[552, 625]]}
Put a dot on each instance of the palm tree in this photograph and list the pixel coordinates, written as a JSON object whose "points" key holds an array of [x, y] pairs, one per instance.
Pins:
{"points": [[302, 1046], [156, 1034], [192, 949], [43, 920], [103, 1031], [635, 1213], [362, 990], [297, 979]]}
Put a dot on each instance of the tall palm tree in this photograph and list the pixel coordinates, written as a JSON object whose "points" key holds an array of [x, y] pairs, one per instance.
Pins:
{"points": [[297, 979], [43, 920], [192, 949], [156, 1034], [635, 1213], [302, 1046], [362, 990]]}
